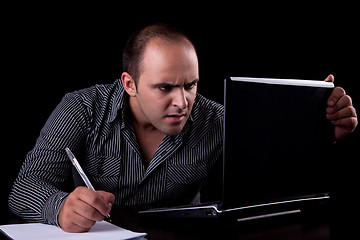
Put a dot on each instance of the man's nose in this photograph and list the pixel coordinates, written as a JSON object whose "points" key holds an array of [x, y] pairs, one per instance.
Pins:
{"points": [[179, 99]]}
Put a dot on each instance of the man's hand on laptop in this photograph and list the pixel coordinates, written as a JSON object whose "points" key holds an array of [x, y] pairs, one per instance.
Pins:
{"points": [[340, 111], [83, 207]]}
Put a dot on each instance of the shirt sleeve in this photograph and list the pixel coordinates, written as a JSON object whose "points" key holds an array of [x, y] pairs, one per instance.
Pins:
{"points": [[38, 191]]}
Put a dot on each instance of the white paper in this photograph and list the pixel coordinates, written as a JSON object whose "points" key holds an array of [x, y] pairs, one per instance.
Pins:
{"points": [[100, 231]]}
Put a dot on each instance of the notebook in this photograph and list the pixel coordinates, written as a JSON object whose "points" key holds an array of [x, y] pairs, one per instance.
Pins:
{"points": [[276, 150], [38, 231]]}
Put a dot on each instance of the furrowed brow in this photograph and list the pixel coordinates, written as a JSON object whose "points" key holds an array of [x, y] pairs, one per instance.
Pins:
{"points": [[169, 85], [166, 85], [196, 80]]}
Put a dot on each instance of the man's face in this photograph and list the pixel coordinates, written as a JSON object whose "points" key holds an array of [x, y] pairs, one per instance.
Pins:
{"points": [[167, 87]]}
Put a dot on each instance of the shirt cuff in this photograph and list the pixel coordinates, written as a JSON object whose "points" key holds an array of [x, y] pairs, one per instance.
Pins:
{"points": [[52, 208]]}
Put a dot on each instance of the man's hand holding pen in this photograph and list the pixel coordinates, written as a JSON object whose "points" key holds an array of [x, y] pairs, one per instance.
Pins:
{"points": [[83, 207]]}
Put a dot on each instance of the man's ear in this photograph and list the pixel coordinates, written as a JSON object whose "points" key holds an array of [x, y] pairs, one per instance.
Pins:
{"points": [[128, 83]]}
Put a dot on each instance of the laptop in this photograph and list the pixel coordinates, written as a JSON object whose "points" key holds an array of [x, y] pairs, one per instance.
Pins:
{"points": [[276, 151]]}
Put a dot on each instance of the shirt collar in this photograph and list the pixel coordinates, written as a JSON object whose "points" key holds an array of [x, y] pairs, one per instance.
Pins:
{"points": [[118, 101]]}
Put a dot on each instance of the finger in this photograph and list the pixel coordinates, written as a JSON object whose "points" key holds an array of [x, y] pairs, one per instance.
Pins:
{"points": [[74, 227], [70, 220], [88, 211], [80, 223], [108, 197], [342, 113], [330, 78], [98, 206], [343, 102], [336, 94], [349, 123], [86, 203]]}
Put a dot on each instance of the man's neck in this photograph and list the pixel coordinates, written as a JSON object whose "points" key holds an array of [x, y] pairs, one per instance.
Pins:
{"points": [[147, 135], [138, 120]]}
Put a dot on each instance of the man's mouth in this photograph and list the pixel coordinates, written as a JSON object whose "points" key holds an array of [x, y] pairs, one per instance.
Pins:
{"points": [[176, 118]]}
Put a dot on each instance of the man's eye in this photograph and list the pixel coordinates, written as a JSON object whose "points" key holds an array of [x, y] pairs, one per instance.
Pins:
{"points": [[190, 86], [165, 88]]}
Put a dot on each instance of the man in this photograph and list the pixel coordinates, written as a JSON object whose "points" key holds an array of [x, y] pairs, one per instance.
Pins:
{"points": [[147, 140]]}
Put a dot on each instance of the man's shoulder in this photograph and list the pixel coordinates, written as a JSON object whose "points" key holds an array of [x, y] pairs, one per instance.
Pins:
{"points": [[100, 100], [96, 95], [92, 93]]}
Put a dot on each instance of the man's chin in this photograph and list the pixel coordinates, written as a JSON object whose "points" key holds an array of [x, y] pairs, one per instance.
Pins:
{"points": [[172, 130]]}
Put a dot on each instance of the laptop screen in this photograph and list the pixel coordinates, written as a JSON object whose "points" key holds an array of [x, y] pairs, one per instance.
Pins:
{"points": [[277, 142]]}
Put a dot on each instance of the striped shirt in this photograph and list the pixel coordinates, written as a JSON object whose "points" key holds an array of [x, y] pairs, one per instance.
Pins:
{"points": [[93, 123]]}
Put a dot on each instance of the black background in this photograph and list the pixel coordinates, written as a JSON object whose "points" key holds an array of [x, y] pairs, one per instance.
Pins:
{"points": [[50, 49]]}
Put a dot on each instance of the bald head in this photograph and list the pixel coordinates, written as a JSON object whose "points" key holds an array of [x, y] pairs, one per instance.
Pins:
{"points": [[159, 34]]}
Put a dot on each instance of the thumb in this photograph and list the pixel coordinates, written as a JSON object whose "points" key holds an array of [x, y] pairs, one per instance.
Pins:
{"points": [[330, 78]]}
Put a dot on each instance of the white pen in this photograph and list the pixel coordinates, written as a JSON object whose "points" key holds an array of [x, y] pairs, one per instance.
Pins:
{"points": [[81, 172]]}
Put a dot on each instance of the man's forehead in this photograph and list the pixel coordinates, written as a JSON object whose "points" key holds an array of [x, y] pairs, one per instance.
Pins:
{"points": [[169, 63], [164, 46], [175, 82], [168, 42], [157, 55]]}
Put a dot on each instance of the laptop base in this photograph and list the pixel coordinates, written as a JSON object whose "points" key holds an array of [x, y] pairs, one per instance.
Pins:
{"points": [[244, 213]]}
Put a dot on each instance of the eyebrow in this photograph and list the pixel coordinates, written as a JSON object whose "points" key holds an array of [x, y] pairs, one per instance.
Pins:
{"points": [[169, 85]]}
